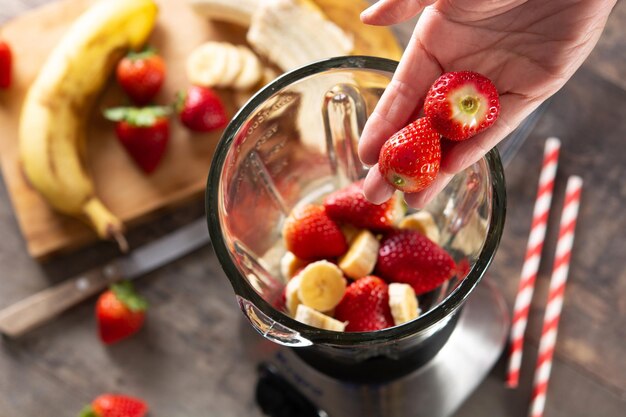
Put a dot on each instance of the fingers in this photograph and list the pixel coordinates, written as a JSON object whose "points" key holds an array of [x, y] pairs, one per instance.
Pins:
{"points": [[389, 12], [376, 188], [404, 94]]}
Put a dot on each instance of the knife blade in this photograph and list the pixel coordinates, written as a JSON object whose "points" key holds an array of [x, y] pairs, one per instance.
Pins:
{"points": [[37, 309]]}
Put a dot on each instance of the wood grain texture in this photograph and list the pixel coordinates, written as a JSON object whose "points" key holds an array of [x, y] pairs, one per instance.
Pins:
{"points": [[189, 361]]}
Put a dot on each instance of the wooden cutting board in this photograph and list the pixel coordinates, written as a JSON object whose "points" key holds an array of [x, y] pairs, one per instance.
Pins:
{"points": [[130, 194]]}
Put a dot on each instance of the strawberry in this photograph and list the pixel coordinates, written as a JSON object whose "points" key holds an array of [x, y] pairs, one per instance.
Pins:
{"points": [[462, 104], [5, 65], [115, 405], [410, 159], [141, 75], [349, 205], [310, 234], [120, 312], [200, 109], [144, 133], [365, 305], [409, 257]]}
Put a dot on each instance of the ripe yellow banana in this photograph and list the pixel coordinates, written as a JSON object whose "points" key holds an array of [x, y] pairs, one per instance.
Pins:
{"points": [[361, 258], [314, 318], [423, 222], [56, 107], [322, 285], [403, 303]]}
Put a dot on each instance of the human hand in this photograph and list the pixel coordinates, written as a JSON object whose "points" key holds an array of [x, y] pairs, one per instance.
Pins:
{"points": [[529, 49]]}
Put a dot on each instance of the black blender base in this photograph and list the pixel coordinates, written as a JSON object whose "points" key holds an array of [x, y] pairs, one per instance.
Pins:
{"points": [[435, 390]]}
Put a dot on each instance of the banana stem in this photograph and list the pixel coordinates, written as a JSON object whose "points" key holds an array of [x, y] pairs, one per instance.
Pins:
{"points": [[106, 224]]}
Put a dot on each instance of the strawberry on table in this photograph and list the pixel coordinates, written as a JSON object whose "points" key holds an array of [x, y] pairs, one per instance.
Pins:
{"points": [[310, 234], [365, 306], [6, 59], [349, 205], [200, 109], [115, 405], [144, 133], [410, 159], [120, 312], [141, 75], [462, 104], [409, 257]]}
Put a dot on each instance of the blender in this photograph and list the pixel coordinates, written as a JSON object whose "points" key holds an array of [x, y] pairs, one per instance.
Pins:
{"points": [[292, 143]]}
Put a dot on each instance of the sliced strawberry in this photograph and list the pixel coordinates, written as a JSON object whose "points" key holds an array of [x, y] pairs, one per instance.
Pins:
{"points": [[115, 405], [310, 234], [120, 313], [410, 159], [365, 306], [409, 257], [350, 206], [462, 104]]}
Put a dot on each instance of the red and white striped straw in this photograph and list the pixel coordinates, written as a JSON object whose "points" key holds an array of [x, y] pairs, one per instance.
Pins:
{"points": [[526, 287], [555, 296]]}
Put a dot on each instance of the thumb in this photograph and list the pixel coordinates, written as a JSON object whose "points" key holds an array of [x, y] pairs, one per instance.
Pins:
{"points": [[389, 12]]}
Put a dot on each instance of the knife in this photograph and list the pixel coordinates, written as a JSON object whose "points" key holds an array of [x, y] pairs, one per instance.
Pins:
{"points": [[33, 311]]}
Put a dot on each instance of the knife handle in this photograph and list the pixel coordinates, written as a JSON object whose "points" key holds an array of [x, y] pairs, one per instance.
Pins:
{"points": [[39, 308]]}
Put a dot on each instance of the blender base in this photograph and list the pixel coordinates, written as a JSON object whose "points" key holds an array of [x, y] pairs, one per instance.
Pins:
{"points": [[437, 389]]}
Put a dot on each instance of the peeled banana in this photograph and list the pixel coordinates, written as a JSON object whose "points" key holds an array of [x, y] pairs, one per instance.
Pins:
{"points": [[403, 303], [322, 285], [56, 108], [314, 318], [232, 11], [423, 222], [360, 259]]}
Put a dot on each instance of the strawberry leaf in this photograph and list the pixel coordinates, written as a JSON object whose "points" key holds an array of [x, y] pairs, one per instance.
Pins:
{"points": [[137, 116], [125, 292], [88, 411], [143, 54]]}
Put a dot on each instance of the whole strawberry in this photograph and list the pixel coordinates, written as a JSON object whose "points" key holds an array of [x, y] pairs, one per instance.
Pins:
{"points": [[120, 312], [462, 104], [200, 109], [410, 159], [141, 75], [115, 405], [349, 205], [365, 306], [409, 257], [144, 133], [5, 64], [310, 234]]}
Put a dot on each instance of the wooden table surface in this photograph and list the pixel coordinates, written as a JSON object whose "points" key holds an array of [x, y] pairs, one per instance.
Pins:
{"points": [[188, 362]]}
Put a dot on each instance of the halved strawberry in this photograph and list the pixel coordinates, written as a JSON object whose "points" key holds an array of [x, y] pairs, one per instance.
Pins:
{"points": [[310, 234], [408, 256], [349, 205], [410, 159], [365, 306], [462, 104]]}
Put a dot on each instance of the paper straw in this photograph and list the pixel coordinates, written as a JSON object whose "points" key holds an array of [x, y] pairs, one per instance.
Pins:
{"points": [[555, 296], [534, 247]]}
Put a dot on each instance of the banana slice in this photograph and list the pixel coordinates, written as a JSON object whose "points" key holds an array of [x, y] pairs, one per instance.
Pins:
{"points": [[361, 257], [314, 318], [423, 222], [403, 303], [233, 11], [290, 265], [221, 64], [251, 70], [292, 300], [350, 232], [322, 285]]}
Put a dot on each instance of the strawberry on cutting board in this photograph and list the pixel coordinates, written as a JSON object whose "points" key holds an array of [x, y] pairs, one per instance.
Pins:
{"points": [[144, 133], [462, 104], [115, 405], [200, 109], [310, 234], [120, 312], [410, 159], [349, 205], [409, 257], [141, 75], [365, 306], [6, 59]]}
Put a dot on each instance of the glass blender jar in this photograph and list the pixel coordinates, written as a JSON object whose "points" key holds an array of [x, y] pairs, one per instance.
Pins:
{"points": [[294, 142]]}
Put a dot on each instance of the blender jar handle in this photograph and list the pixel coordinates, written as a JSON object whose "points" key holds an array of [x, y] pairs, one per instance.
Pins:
{"points": [[270, 328]]}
